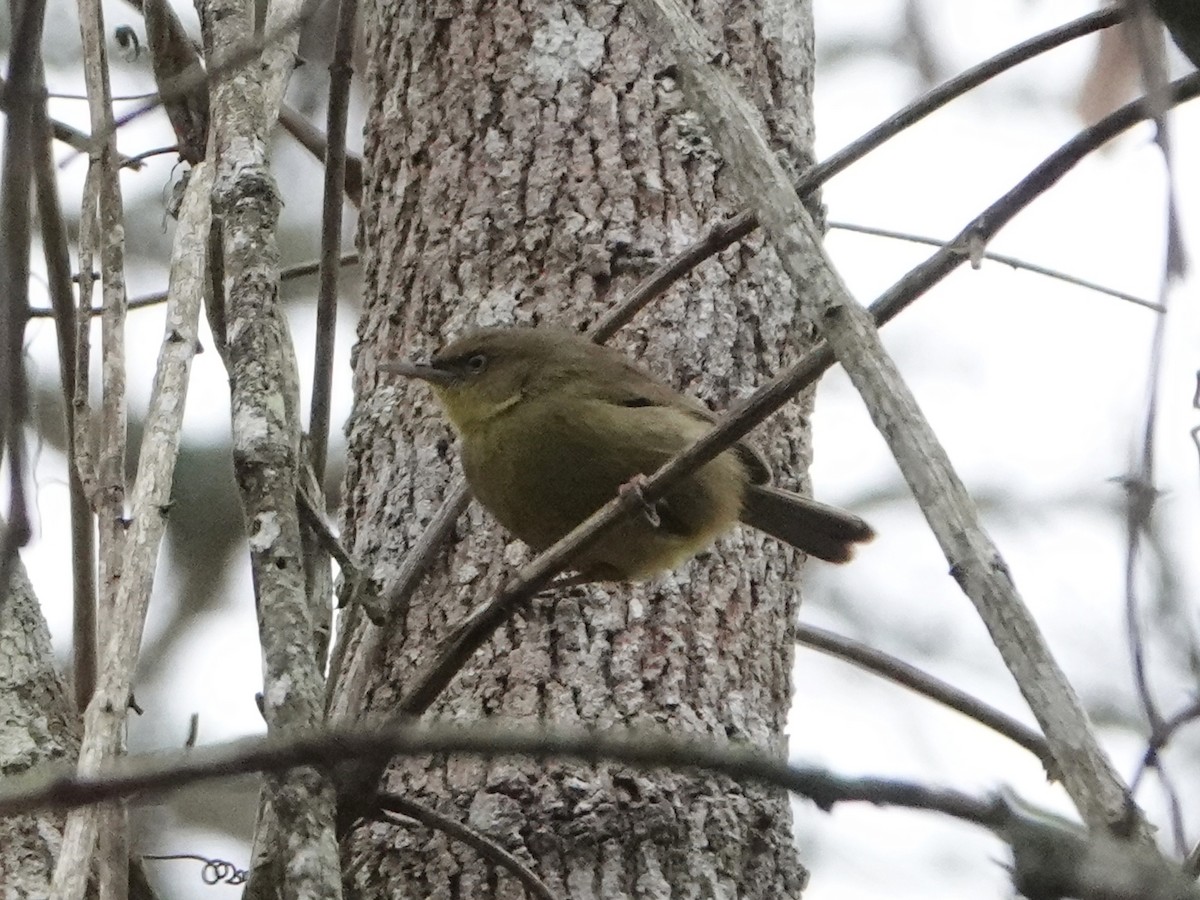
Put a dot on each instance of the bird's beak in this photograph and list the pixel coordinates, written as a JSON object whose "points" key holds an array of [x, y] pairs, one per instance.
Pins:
{"points": [[424, 371]]}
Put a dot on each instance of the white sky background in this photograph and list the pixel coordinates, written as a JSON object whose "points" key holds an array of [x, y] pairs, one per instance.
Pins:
{"points": [[1036, 388]]}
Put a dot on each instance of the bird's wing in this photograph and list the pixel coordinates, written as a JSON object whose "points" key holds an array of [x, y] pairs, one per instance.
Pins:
{"points": [[633, 388]]}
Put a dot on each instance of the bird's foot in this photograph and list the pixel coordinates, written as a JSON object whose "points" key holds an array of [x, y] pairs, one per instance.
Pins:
{"points": [[636, 486]]}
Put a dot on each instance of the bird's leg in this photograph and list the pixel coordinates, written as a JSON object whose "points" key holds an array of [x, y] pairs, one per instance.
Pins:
{"points": [[635, 486]]}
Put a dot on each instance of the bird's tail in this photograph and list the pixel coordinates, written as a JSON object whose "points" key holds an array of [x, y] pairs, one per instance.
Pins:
{"points": [[816, 528]]}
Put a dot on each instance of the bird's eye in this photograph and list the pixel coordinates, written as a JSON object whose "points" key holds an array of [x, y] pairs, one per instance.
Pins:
{"points": [[476, 364]]}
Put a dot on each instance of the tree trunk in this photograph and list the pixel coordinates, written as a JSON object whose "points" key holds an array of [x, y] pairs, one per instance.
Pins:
{"points": [[527, 165], [37, 727]]}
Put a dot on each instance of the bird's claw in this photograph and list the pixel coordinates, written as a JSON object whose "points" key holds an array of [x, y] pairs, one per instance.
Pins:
{"points": [[635, 486]]}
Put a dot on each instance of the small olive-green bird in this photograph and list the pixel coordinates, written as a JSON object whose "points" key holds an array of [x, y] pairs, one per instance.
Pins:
{"points": [[553, 426]]}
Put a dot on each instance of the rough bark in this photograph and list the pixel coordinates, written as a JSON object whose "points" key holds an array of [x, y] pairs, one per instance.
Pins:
{"points": [[37, 726], [525, 164]]}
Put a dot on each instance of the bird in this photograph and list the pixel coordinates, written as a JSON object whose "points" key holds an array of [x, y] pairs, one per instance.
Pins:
{"points": [[553, 425]]}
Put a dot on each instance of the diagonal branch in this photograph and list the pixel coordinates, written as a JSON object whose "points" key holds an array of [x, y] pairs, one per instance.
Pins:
{"points": [[975, 562], [899, 672], [472, 633], [394, 806]]}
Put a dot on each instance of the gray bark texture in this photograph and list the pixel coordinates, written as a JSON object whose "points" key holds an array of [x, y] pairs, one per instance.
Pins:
{"points": [[527, 163], [37, 727]]}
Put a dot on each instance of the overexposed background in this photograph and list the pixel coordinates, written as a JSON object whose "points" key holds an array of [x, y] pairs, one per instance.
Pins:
{"points": [[1037, 388]]}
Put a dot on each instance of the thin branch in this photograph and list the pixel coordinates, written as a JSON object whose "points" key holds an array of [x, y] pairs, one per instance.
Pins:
{"points": [[1147, 37], [1152, 758], [159, 297], [980, 230], [902, 673], [1149, 43], [395, 806], [281, 30], [311, 515], [16, 179], [1013, 261], [105, 831], [117, 98], [85, 462], [109, 234], [100, 841], [151, 498], [62, 298], [135, 161], [67, 134], [311, 139], [341, 70]]}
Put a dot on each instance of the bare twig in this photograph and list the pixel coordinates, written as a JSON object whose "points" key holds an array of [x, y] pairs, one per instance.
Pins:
{"points": [[148, 300], [102, 735], [311, 139], [395, 806], [340, 71], [85, 461], [62, 299], [980, 230], [900, 672], [151, 499], [1146, 36], [1140, 493], [1152, 758], [1013, 261], [109, 500], [279, 38], [67, 134], [16, 179], [311, 515]]}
